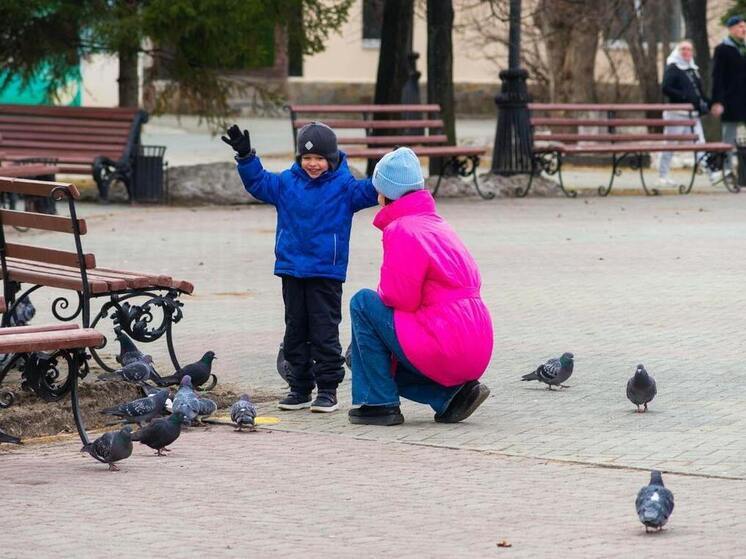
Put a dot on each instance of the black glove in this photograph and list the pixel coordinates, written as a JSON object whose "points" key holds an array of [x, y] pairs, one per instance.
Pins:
{"points": [[241, 143]]}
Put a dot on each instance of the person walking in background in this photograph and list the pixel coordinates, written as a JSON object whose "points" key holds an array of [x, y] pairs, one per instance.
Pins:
{"points": [[682, 84], [729, 80]]}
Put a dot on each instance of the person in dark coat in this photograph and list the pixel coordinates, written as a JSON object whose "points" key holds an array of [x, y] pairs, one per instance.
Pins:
{"points": [[729, 80], [315, 201], [682, 84]]}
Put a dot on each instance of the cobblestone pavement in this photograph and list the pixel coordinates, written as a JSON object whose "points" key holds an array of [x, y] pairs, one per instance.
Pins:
{"points": [[617, 281], [274, 494]]}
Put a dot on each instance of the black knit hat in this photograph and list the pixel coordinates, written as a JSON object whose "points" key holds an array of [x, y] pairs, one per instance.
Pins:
{"points": [[317, 138]]}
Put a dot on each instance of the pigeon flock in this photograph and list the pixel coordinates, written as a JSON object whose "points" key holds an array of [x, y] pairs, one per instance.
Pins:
{"points": [[186, 407], [654, 502]]}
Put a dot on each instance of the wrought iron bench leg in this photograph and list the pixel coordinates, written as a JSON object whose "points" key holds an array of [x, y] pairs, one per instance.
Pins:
{"points": [[686, 189], [78, 364], [615, 172], [535, 165], [567, 192], [474, 159], [639, 165]]}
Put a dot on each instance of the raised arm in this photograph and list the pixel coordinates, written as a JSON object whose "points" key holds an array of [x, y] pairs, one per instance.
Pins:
{"points": [[362, 194], [403, 270], [261, 184]]}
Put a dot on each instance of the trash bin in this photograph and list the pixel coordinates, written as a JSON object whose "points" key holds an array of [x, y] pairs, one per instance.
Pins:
{"points": [[741, 161], [148, 176]]}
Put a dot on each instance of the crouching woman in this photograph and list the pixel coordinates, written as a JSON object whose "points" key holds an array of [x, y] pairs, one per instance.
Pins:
{"points": [[426, 334]]}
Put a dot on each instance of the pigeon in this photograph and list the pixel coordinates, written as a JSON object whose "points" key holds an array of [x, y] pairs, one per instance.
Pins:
{"points": [[641, 389], [142, 410], [186, 401], [283, 367], [199, 371], [137, 372], [554, 372], [5, 438], [654, 503], [160, 433], [348, 357], [128, 351], [207, 407], [111, 447], [243, 413]]}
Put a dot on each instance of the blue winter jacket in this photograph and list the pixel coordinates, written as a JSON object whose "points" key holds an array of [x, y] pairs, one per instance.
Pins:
{"points": [[314, 216]]}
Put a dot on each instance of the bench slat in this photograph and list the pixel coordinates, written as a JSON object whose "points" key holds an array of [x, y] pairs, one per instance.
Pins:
{"points": [[48, 255], [113, 125], [65, 135], [94, 133], [44, 341], [636, 107], [45, 222], [364, 108], [37, 328], [426, 151], [51, 280], [558, 137], [35, 188], [28, 171], [112, 113], [392, 140], [639, 148], [374, 124], [163, 281], [114, 284], [616, 122], [132, 280]]}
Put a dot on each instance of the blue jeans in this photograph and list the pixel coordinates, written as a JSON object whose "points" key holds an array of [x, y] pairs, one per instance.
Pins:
{"points": [[374, 341]]}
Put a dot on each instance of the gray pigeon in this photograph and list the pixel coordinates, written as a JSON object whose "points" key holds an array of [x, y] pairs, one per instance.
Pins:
{"points": [[111, 447], [160, 433], [142, 410], [5, 438], [641, 389], [554, 372], [243, 413], [654, 503], [199, 371], [137, 372], [207, 407], [283, 367], [128, 351], [186, 401]]}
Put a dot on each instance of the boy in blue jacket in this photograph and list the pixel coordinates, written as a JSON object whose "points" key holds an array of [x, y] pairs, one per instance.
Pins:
{"points": [[315, 200]]}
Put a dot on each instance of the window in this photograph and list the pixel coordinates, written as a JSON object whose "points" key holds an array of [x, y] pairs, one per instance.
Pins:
{"points": [[372, 23]]}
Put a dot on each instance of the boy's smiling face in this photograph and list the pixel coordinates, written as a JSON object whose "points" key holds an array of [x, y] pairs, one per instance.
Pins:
{"points": [[314, 165]]}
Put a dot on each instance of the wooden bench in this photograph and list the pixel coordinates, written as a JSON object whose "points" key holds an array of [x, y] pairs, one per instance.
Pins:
{"points": [[419, 127], [79, 272], [40, 349], [552, 141], [84, 140]]}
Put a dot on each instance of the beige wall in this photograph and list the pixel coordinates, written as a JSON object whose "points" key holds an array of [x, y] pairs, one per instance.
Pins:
{"points": [[347, 59]]}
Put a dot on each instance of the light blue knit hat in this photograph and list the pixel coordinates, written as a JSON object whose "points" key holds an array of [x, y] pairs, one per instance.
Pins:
{"points": [[397, 173]]}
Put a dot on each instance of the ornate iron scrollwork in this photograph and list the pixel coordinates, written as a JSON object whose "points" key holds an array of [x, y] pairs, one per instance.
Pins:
{"points": [[137, 320], [41, 373], [63, 303]]}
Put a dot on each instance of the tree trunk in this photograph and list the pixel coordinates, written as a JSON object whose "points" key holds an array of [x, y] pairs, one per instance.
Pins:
{"points": [[396, 41], [642, 39], [695, 18], [571, 30], [128, 77], [440, 68]]}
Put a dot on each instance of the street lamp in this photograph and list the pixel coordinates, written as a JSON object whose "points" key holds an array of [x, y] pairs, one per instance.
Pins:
{"points": [[513, 138]]}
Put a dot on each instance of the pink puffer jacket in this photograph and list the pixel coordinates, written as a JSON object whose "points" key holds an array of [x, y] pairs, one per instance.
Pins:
{"points": [[432, 282]]}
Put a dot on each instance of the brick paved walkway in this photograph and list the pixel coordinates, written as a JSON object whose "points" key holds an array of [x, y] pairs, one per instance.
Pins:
{"points": [[274, 494], [617, 281]]}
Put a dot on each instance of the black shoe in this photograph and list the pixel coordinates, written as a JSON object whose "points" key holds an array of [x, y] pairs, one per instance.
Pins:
{"points": [[295, 401], [376, 415], [464, 403], [325, 402]]}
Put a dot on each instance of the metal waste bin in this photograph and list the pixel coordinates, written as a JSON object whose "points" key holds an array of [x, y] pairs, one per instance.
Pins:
{"points": [[741, 161], [148, 183]]}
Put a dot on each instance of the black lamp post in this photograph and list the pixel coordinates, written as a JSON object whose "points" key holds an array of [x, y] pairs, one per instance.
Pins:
{"points": [[513, 138]]}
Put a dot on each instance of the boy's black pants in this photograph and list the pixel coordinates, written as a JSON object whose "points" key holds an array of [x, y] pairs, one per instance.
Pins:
{"points": [[313, 311]]}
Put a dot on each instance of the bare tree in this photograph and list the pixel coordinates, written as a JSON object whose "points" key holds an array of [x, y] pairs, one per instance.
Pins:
{"points": [[440, 67], [695, 18], [396, 41]]}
